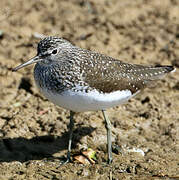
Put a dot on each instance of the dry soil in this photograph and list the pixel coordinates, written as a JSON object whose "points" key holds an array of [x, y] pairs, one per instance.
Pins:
{"points": [[145, 131]]}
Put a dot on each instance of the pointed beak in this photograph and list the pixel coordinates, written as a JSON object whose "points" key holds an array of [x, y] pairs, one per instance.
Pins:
{"points": [[31, 61]]}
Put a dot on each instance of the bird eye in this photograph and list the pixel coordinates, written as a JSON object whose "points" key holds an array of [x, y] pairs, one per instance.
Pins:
{"points": [[54, 51]]}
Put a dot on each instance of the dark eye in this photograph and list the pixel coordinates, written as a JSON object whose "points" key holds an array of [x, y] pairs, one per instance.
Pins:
{"points": [[54, 51]]}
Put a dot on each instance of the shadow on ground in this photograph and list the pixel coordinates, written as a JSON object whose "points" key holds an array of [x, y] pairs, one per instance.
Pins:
{"points": [[22, 149]]}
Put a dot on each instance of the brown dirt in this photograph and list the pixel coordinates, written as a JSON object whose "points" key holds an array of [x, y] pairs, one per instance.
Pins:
{"points": [[34, 132]]}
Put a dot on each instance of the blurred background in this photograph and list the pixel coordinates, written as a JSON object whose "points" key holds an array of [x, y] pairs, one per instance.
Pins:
{"points": [[34, 132]]}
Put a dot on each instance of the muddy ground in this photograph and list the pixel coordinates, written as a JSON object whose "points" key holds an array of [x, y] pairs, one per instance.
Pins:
{"points": [[34, 132]]}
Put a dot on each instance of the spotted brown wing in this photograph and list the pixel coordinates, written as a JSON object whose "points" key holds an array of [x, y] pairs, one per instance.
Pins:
{"points": [[107, 74]]}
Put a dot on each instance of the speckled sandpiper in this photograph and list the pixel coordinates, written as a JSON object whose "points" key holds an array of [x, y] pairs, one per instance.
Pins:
{"points": [[81, 80]]}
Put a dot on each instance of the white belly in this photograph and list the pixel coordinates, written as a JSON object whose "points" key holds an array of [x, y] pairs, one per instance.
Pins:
{"points": [[91, 101]]}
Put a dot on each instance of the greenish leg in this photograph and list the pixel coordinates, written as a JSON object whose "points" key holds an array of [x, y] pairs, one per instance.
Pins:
{"points": [[109, 143], [71, 125]]}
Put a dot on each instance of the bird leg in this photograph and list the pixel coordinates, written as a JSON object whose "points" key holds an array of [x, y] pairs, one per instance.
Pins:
{"points": [[109, 143], [71, 125]]}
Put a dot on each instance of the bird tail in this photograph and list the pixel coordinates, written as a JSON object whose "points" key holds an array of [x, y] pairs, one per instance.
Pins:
{"points": [[159, 72]]}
